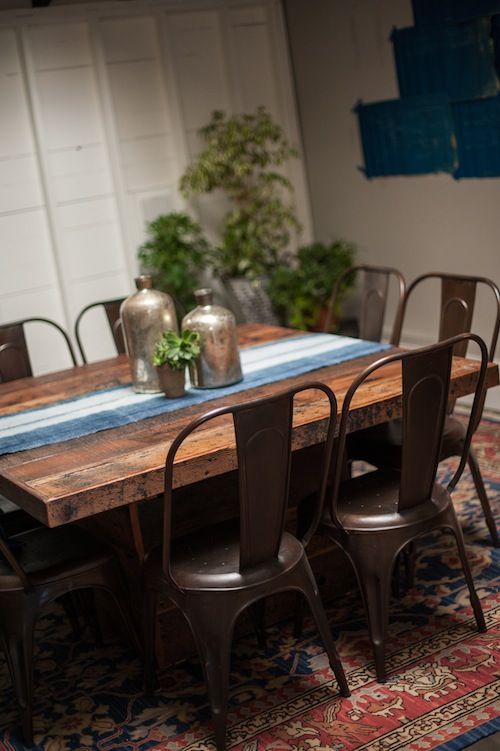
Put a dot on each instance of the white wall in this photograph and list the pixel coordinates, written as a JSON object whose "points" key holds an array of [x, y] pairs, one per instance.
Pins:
{"points": [[341, 53], [100, 107]]}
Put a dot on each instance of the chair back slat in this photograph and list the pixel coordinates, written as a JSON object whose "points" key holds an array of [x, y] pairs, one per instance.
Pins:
{"points": [[263, 435], [458, 297], [426, 374], [375, 292], [426, 381], [14, 357], [112, 309]]}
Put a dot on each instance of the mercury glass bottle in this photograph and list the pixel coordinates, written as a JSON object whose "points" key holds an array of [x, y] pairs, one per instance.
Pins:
{"points": [[145, 315], [219, 360]]}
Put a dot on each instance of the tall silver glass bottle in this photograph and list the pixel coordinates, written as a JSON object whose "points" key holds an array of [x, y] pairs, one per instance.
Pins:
{"points": [[219, 361], [145, 315]]}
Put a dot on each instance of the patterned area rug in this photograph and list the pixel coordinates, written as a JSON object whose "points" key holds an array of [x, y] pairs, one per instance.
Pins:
{"points": [[442, 692]]}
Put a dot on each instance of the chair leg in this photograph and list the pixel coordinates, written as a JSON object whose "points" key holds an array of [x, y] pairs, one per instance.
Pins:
{"points": [[407, 558], [258, 615], [93, 616], [71, 610], [483, 497], [373, 561], [212, 629], [395, 580], [82, 601], [310, 589], [149, 634], [113, 583], [298, 616], [455, 527], [410, 559], [18, 642]]}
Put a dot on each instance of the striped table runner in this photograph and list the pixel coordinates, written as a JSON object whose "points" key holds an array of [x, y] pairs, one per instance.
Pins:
{"points": [[111, 408]]}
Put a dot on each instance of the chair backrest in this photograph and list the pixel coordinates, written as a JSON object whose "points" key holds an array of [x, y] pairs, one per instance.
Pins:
{"points": [[112, 310], [14, 355], [376, 280], [458, 297], [263, 433], [425, 394]]}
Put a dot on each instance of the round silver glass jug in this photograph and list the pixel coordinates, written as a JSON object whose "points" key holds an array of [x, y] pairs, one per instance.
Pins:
{"points": [[145, 315], [219, 361]]}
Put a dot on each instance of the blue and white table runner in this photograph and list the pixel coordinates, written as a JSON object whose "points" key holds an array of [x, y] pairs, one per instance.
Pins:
{"points": [[111, 408]]}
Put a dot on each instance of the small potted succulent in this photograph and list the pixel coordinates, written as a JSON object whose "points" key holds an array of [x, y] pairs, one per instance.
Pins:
{"points": [[172, 354]]}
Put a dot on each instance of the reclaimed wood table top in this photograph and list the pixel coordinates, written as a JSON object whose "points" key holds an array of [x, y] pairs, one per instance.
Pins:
{"points": [[79, 478]]}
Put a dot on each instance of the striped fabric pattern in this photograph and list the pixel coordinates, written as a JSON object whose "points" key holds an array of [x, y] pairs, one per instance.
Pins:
{"points": [[111, 408]]}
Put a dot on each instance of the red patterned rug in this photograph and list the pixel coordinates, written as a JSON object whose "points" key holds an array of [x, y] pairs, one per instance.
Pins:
{"points": [[442, 693]]}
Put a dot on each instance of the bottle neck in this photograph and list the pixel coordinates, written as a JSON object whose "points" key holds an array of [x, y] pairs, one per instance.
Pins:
{"points": [[144, 281], [204, 296]]}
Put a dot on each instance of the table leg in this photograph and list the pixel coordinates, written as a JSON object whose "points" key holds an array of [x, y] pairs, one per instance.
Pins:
{"points": [[135, 527]]}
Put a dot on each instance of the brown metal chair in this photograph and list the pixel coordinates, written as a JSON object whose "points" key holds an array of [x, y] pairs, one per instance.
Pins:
{"points": [[381, 446], [374, 516], [112, 310], [214, 575], [15, 363], [36, 568], [376, 282], [14, 356]]}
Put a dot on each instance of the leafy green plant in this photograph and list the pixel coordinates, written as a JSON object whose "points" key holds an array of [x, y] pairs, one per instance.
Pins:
{"points": [[176, 351], [174, 253], [298, 293], [242, 155]]}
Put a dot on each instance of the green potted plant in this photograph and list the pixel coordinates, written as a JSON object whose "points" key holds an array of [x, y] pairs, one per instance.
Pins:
{"points": [[242, 156], [172, 354], [300, 293], [174, 254]]}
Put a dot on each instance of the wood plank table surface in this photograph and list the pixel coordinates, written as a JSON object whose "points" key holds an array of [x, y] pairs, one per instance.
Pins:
{"points": [[83, 477]]}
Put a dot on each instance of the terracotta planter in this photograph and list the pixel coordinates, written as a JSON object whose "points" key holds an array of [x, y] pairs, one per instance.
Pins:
{"points": [[319, 323], [172, 382]]}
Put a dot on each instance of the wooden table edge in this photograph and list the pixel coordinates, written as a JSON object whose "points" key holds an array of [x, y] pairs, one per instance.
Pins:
{"points": [[80, 505]]}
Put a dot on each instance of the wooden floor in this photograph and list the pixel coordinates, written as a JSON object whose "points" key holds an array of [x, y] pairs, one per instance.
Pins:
{"points": [[491, 743]]}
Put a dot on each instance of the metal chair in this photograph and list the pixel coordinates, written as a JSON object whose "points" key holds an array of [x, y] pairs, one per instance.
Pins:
{"points": [[381, 446], [112, 310], [46, 566], [214, 575], [36, 568], [15, 363], [376, 281], [374, 516], [14, 356]]}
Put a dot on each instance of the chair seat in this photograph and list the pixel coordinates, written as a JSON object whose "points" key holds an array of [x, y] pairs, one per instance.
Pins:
{"points": [[209, 560], [46, 553], [369, 503], [381, 444]]}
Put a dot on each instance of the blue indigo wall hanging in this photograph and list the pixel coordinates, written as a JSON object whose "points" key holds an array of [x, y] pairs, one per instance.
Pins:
{"points": [[447, 118]]}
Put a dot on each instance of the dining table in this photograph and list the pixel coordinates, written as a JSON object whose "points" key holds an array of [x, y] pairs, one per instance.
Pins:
{"points": [[111, 480]]}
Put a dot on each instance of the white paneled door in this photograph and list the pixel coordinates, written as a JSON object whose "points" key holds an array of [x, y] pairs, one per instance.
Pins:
{"points": [[100, 106]]}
